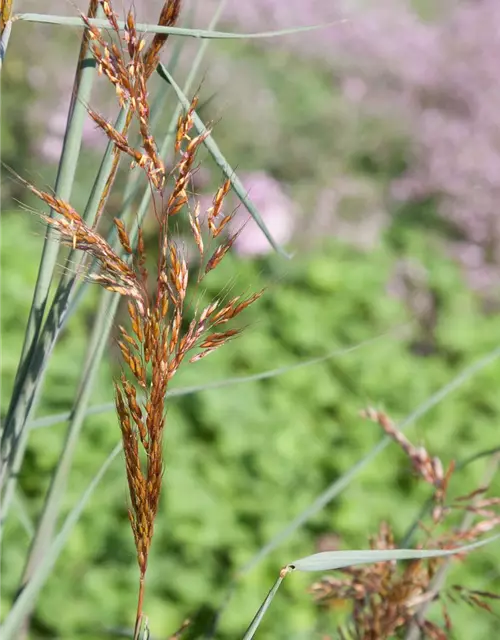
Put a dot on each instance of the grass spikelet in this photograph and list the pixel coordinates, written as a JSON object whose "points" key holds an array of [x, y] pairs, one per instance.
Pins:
{"points": [[218, 255], [168, 17], [122, 235]]}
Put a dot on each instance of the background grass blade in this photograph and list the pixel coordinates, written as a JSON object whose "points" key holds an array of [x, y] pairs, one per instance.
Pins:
{"points": [[23, 515], [15, 430], [220, 160], [63, 187], [25, 601], [331, 560], [250, 632], [54, 498], [48, 421], [176, 31]]}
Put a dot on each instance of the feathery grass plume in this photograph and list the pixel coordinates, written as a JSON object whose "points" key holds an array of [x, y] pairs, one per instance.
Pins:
{"points": [[390, 598], [158, 338], [157, 343], [130, 78]]}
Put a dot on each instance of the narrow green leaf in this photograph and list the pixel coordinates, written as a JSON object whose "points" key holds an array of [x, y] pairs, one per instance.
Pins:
{"points": [[484, 453], [175, 31], [220, 160], [48, 421], [14, 435], [250, 632], [23, 515], [55, 495], [24, 602], [330, 560]]}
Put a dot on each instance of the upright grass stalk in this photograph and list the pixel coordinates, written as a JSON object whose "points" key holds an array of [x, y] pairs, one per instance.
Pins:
{"points": [[15, 432], [13, 437]]}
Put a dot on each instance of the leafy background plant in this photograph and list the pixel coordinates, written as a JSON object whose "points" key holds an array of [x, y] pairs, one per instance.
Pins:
{"points": [[243, 462]]}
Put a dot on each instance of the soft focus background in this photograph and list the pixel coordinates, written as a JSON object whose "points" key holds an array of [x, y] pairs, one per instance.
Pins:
{"points": [[372, 149]]}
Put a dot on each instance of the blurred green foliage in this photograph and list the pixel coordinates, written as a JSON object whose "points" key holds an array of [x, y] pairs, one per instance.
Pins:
{"points": [[243, 461]]}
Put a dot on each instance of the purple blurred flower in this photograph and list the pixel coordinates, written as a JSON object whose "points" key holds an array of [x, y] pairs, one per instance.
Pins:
{"points": [[276, 208], [278, 212]]}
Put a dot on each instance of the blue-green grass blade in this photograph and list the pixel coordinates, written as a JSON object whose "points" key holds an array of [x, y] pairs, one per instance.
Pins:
{"points": [[23, 515], [331, 560], [254, 625], [15, 431], [175, 31], [14, 436], [25, 600], [48, 421], [220, 160]]}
